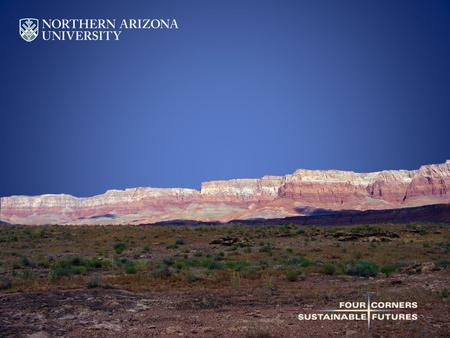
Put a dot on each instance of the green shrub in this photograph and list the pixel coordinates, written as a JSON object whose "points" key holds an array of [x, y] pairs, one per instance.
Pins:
{"points": [[442, 263], [267, 248], [444, 293], [119, 248], [179, 265], [179, 241], [292, 276], [212, 264], [168, 261], [389, 269], [302, 261], [59, 269], [75, 265], [97, 263], [75, 260], [78, 270], [236, 265], [362, 269], [329, 269], [146, 248], [130, 268]]}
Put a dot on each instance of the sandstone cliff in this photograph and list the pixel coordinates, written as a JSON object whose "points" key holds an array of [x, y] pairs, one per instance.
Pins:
{"points": [[267, 197]]}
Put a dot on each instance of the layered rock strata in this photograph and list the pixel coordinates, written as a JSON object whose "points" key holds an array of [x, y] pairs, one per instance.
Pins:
{"points": [[267, 197]]}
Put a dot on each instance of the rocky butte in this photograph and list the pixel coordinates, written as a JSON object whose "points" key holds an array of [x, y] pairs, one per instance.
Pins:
{"points": [[267, 197]]}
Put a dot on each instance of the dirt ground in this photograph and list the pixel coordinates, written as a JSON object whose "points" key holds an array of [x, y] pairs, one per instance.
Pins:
{"points": [[223, 313]]}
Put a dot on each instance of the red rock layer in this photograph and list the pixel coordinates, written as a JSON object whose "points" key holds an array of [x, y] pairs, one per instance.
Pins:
{"points": [[268, 197]]}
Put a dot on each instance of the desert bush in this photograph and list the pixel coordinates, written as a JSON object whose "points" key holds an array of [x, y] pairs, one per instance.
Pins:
{"points": [[248, 249], [420, 229], [362, 269], [237, 265], [389, 269], [97, 263], [94, 282], [26, 262], [250, 272], [179, 265], [443, 293], [5, 283], [190, 277], [292, 276], [59, 269], [43, 233], [169, 261], [161, 271], [77, 270], [198, 253], [75, 265], [119, 248], [9, 237], [118, 261], [212, 264], [180, 241], [172, 246], [442, 263], [266, 248], [130, 268], [329, 268], [302, 261]]}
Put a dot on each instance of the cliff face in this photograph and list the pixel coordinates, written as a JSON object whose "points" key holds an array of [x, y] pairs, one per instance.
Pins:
{"points": [[267, 197]]}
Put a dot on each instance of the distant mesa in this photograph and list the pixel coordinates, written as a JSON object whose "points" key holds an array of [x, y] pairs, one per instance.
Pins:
{"points": [[304, 193]]}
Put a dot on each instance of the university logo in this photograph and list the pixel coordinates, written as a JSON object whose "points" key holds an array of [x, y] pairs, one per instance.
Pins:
{"points": [[28, 29]]}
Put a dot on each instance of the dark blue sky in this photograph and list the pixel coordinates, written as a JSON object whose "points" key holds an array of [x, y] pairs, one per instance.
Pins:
{"points": [[242, 89]]}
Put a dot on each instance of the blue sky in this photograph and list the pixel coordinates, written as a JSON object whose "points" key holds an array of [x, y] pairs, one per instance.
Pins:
{"points": [[242, 89]]}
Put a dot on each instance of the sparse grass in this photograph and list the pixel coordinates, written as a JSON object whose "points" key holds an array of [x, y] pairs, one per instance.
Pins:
{"points": [[266, 248], [94, 281], [190, 277], [57, 256]]}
